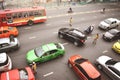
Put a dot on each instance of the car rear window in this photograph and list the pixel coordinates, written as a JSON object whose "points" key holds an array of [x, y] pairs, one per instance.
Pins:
{"points": [[4, 63], [23, 74], [81, 60]]}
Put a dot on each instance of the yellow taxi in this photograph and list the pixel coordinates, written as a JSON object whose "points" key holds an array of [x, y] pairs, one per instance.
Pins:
{"points": [[116, 46]]}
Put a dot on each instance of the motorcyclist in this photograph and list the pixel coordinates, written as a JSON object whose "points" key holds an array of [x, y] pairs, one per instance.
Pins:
{"points": [[70, 10], [89, 29]]}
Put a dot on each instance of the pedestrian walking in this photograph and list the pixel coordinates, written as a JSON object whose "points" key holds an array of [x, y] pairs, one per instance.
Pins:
{"points": [[34, 67], [70, 22], [103, 10], [2, 4], [95, 38]]}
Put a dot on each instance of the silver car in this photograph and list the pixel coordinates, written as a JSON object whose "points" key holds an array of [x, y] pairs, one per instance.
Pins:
{"points": [[9, 44], [110, 66], [5, 62], [109, 23]]}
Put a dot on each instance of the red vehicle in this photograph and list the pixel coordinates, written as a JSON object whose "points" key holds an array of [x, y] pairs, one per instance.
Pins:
{"points": [[83, 68], [18, 74], [22, 16], [8, 31]]}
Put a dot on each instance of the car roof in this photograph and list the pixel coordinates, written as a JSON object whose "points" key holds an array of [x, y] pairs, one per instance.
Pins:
{"points": [[3, 57], [48, 47], [4, 40]]}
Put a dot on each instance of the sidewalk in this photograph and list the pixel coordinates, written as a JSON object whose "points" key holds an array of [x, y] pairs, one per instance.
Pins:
{"points": [[11, 4]]}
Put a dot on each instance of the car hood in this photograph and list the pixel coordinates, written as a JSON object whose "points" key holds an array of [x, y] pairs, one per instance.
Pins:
{"points": [[107, 34], [31, 56], [117, 45], [103, 59], [74, 57]]}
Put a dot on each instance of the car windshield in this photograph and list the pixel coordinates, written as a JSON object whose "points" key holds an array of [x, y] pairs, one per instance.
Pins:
{"points": [[80, 60], [111, 62], [113, 31], [57, 45], [23, 74], [107, 21], [39, 51], [10, 28]]}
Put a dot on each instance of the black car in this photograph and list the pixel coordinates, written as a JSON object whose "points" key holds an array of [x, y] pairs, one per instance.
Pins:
{"points": [[111, 35], [73, 35]]}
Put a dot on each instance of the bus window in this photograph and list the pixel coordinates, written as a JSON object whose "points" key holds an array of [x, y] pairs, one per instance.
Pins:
{"points": [[19, 15], [25, 14], [36, 13], [30, 13], [14, 15], [3, 19]]}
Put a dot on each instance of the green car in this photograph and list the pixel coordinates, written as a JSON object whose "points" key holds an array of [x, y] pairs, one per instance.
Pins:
{"points": [[45, 52]]}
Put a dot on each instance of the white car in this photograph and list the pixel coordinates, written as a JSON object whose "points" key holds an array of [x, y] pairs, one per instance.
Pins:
{"points": [[110, 66], [5, 62], [9, 44], [109, 23]]}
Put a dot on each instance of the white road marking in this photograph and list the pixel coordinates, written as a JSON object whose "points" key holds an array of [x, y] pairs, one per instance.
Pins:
{"points": [[27, 28], [55, 32], [105, 51], [48, 24], [33, 37], [64, 43], [89, 37], [48, 74]]}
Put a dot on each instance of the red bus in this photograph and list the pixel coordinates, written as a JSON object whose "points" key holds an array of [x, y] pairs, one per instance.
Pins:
{"points": [[22, 16]]}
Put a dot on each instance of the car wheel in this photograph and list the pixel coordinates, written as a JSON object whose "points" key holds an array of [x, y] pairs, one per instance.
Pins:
{"points": [[60, 36], [30, 22], [76, 43], [69, 65], [99, 66], [107, 28]]}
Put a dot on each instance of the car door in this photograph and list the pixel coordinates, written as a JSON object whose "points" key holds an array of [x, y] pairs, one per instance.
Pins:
{"points": [[70, 36], [5, 33], [117, 35], [53, 54], [44, 57], [79, 72], [113, 24], [1, 35]]}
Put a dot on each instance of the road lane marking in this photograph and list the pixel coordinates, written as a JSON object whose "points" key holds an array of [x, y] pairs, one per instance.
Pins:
{"points": [[27, 28], [48, 24], [33, 37], [48, 74], [64, 43], [105, 51]]}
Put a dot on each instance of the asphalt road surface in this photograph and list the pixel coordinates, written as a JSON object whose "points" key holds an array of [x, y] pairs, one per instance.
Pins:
{"points": [[31, 37]]}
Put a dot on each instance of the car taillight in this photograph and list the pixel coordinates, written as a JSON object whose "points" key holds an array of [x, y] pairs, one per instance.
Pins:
{"points": [[82, 40]]}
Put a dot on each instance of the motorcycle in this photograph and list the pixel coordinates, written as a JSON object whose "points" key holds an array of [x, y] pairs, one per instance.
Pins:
{"points": [[89, 30], [70, 10]]}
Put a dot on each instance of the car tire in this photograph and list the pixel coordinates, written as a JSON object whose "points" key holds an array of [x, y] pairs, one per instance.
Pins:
{"points": [[76, 43], [69, 65], [30, 22], [99, 66], [107, 28], [61, 36]]}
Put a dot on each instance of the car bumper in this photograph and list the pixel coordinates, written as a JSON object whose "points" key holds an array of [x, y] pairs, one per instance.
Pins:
{"points": [[114, 48]]}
